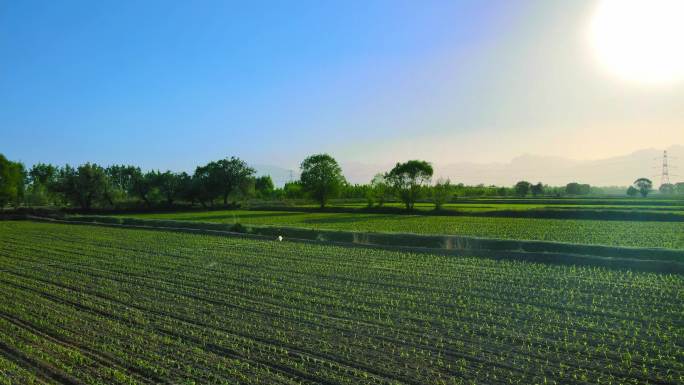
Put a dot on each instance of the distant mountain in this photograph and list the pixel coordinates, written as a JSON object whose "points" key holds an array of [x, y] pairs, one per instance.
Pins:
{"points": [[552, 170]]}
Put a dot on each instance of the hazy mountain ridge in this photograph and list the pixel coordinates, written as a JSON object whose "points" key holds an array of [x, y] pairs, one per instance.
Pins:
{"points": [[553, 170]]}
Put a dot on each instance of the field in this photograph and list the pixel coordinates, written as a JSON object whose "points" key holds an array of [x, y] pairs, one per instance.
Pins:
{"points": [[475, 205], [582, 231], [95, 305]]}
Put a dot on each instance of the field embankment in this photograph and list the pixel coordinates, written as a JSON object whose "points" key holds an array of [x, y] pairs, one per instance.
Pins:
{"points": [[643, 234], [643, 259]]}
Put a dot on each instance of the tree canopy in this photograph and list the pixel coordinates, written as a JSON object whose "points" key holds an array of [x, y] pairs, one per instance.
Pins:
{"points": [[264, 186], [408, 178], [522, 188], [632, 191], [441, 193], [644, 185], [11, 181], [82, 186], [321, 177], [575, 188], [229, 175]]}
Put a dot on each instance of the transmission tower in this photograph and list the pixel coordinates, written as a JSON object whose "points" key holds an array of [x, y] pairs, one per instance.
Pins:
{"points": [[665, 173]]}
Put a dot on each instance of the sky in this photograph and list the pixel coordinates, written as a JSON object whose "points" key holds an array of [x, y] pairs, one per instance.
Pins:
{"points": [[171, 85]]}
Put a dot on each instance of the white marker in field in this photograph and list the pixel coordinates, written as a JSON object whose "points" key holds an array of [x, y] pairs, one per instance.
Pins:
{"points": [[280, 238]]}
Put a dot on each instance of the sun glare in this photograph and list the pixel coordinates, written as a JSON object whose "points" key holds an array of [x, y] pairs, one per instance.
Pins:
{"points": [[640, 40]]}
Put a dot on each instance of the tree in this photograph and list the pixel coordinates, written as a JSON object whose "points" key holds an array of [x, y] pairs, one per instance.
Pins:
{"points": [[441, 193], [293, 190], [575, 188], [264, 186], [82, 186], [229, 175], [205, 186], [40, 177], [121, 179], [679, 188], [12, 175], [378, 190], [321, 177], [43, 174], [168, 184], [537, 189], [247, 187], [141, 185], [644, 185], [632, 191], [408, 178], [522, 188], [186, 188], [666, 188]]}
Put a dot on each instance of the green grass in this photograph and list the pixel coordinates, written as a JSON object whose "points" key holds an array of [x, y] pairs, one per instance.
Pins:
{"points": [[86, 304], [603, 232]]}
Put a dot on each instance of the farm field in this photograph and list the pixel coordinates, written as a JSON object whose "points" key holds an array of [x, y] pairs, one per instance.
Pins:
{"points": [[675, 206], [603, 232], [96, 305], [485, 207]]}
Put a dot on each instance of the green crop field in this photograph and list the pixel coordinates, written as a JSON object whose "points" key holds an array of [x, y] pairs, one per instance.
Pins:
{"points": [[603, 232], [675, 207], [96, 305]]}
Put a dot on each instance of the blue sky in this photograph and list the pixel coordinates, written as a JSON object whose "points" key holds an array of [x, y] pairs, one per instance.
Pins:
{"points": [[167, 84]]}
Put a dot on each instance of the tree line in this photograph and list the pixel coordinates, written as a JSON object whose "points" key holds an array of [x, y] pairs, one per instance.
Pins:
{"points": [[90, 185], [229, 180]]}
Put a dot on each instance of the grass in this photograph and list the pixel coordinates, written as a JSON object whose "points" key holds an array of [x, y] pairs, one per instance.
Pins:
{"points": [[97, 305], [602, 232]]}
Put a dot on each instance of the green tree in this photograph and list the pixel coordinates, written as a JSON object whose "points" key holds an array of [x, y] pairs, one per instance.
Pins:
{"points": [[321, 177], [169, 185], [407, 179], [205, 186], [43, 173], [293, 190], [264, 186], [247, 187], [666, 189], [442, 192], [12, 180], [82, 186], [644, 185], [40, 177], [186, 188], [141, 185], [575, 188], [229, 176], [378, 191], [537, 189], [522, 188], [121, 178], [679, 188], [632, 191]]}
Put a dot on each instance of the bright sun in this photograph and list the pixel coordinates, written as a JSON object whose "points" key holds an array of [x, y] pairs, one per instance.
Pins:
{"points": [[640, 40]]}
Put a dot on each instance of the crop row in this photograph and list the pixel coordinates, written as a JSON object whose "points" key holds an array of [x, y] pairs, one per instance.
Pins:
{"points": [[101, 305]]}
